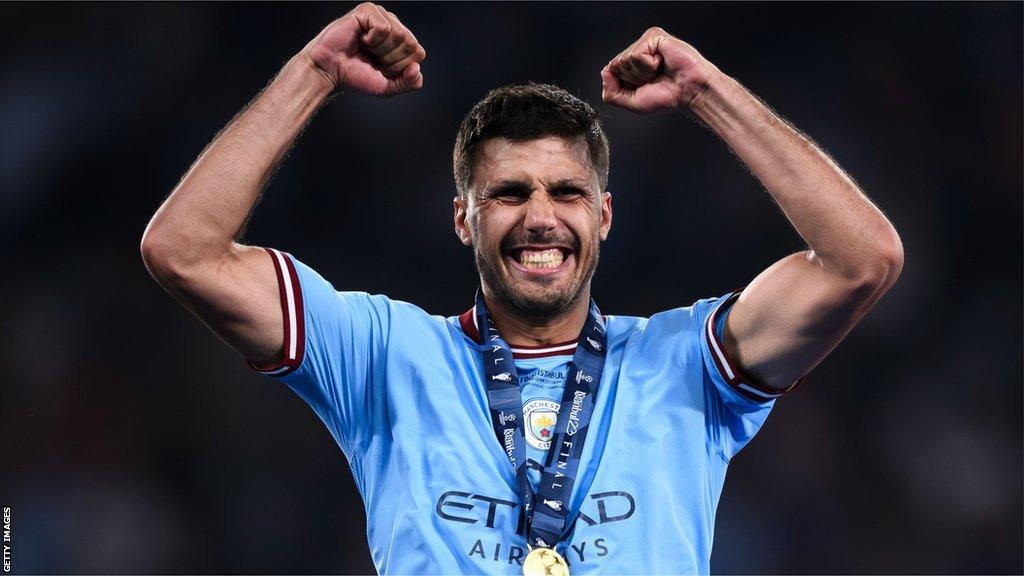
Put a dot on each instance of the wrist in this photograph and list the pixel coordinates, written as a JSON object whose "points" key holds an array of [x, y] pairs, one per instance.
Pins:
{"points": [[308, 74], [293, 97], [709, 94]]}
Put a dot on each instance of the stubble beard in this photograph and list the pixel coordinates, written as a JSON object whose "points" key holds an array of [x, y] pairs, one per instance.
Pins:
{"points": [[547, 305]]}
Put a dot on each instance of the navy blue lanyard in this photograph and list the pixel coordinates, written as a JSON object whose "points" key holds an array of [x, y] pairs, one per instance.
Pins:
{"points": [[546, 511]]}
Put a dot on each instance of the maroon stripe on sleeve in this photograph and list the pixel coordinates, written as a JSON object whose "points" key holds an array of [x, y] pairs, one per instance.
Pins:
{"points": [[300, 316], [290, 295], [729, 368]]}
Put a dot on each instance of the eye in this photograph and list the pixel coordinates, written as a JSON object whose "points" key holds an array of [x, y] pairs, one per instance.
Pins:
{"points": [[509, 198], [510, 193], [568, 192]]}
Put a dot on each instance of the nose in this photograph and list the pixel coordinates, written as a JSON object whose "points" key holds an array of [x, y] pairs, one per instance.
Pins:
{"points": [[540, 214]]}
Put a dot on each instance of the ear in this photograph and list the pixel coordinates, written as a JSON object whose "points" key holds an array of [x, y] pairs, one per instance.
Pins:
{"points": [[606, 214], [461, 226]]}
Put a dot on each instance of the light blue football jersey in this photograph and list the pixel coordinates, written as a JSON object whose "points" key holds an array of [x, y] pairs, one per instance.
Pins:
{"points": [[402, 393]]}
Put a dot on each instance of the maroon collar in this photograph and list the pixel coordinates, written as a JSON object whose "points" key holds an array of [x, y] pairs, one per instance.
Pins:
{"points": [[467, 320]]}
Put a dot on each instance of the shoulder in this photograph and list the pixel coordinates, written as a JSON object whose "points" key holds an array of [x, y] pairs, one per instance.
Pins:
{"points": [[684, 319], [682, 328], [397, 312]]}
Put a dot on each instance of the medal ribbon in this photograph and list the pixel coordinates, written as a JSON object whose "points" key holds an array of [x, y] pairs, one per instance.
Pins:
{"points": [[546, 511]]}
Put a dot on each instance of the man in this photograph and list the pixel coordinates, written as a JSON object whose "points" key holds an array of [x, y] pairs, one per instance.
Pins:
{"points": [[504, 440]]}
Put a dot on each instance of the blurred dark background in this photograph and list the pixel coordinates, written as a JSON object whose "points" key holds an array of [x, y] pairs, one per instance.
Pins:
{"points": [[132, 440]]}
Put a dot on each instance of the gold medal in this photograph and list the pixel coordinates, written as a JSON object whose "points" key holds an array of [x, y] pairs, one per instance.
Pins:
{"points": [[545, 562]]}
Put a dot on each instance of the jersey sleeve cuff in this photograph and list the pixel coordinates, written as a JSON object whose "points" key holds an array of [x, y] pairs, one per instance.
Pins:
{"points": [[290, 290], [728, 368]]}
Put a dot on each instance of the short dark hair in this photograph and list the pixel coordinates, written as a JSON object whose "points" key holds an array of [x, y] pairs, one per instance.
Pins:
{"points": [[526, 112]]}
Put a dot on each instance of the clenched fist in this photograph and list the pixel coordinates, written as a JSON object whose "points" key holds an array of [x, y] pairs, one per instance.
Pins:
{"points": [[657, 73], [368, 51]]}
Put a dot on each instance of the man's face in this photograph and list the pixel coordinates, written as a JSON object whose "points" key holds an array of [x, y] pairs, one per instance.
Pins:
{"points": [[535, 216]]}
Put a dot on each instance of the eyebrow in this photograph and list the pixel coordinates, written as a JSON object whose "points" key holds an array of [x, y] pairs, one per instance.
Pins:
{"points": [[522, 186]]}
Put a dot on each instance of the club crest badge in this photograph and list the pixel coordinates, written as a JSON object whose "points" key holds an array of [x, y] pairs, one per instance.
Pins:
{"points": [[540, 416]]}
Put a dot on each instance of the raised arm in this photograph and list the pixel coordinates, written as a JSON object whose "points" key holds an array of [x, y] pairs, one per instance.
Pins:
{"points": [[795, 312], [190, 246]]}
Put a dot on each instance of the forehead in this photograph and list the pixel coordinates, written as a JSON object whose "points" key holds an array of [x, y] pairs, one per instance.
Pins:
{"points": [[550, 158]]}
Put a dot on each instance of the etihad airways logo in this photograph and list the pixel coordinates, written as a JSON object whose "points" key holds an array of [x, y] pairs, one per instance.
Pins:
{"points": [[501, 548], [469, 508]]}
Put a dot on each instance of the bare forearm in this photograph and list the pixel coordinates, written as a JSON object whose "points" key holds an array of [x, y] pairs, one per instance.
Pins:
{"points": [[190, 246], [796, 311], [208, 208], [845, 230]]}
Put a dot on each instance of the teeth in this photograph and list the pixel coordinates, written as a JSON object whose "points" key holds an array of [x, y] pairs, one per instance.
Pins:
{"points": [[541, 259]]}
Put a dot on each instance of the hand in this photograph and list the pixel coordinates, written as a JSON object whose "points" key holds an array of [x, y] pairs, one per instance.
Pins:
{"points": [[368, 51], [657, 73]]}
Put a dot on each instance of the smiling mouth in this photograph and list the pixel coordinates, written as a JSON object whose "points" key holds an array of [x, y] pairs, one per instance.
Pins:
{"points": [[540, 260]]}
